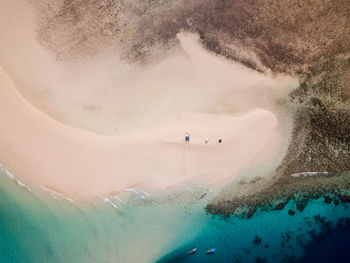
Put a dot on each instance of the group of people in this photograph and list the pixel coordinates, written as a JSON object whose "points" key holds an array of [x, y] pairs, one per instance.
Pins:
{"points": [[206, 140]]}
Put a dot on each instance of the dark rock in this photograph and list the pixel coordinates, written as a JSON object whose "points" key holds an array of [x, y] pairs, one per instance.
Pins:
{"points": [[336, 202], [301, 204], [344, 198], [341, 222], [291, 212], [257, 240], [289, 259], [322, 222], [285, 238], [251, 212], [280, 206], [260, 260], [328, 199]]}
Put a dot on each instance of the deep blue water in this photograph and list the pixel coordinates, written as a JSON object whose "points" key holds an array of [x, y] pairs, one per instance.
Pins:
{"points": [[35, 227], [320, 233], [331, 246]]}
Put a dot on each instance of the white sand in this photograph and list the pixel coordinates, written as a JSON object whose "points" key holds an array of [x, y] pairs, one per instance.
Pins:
{"points": [[76, 161], [117, 126]]}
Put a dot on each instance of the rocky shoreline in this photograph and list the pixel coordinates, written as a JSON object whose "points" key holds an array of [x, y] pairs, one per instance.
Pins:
{"points": [[319, 150], [334, 188], [297, 40]]}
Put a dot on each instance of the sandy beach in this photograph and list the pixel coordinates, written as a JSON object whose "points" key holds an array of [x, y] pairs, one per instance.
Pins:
{"points": [[97, 127], [178, 131], [76, 161]]}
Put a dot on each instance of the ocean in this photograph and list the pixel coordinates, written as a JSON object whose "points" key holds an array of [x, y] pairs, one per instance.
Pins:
{"points": [[37, 225]]}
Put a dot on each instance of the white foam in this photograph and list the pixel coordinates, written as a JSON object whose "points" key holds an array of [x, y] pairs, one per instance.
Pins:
{"points": [[21, 184], [118, 199], [55, 194], [135, 191], [10, 175], [138, 189], [308, 174], [107, 201]]}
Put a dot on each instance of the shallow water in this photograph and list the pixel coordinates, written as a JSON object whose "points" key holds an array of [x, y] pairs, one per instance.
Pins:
{"points": [[36, 226]]}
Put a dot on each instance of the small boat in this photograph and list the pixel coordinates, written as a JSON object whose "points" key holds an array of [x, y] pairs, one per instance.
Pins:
{"points": [[211, 251], [192, 251]]}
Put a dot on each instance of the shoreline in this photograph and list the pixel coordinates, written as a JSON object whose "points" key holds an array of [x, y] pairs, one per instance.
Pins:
{"points": [[319, 147], [333, 187]]}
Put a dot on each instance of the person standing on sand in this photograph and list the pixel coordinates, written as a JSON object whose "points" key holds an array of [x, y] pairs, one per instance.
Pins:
{"points": [[187, 137], [206, 140]]}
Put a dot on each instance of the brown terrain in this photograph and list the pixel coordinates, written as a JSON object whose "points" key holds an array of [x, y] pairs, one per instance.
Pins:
{"points": [[285, 34]]}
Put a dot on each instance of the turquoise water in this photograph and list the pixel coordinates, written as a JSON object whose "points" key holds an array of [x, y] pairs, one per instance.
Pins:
{"points": [[36, 226], [272, 236]]}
